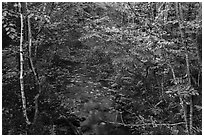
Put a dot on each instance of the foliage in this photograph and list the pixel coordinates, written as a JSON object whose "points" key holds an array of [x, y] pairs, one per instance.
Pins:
{"points": [[104, 68]]}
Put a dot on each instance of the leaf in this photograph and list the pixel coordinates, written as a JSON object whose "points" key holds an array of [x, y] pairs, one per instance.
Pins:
{"points": [[199, 108], [158, 52], [7, 29]]}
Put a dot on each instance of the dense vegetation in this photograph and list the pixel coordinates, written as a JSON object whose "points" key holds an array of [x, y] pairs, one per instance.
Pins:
{"points": [[102, 68]]}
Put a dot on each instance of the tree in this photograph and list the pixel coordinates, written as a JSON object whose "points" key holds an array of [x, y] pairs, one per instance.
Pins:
{"points": [[133, 68], [21, 9]]}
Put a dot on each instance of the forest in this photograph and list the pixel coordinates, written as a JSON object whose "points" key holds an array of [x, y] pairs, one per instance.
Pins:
{"points": [[101, 68]]}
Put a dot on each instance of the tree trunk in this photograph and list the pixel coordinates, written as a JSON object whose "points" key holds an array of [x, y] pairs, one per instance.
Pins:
{"points": [[21, 68], [187, 71], [36, 99], [180, 19]]}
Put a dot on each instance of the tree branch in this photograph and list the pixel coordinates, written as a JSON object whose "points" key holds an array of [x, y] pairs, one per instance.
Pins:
{"points": [[146, 124]]}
